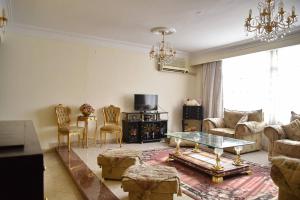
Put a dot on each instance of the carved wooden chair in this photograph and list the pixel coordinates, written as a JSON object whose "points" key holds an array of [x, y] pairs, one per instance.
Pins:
{"points": [[64, 125], [111, 117]]}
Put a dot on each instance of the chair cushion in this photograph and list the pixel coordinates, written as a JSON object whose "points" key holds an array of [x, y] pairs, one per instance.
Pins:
{"points": [[293, 130], [287, 147], [232, 117], [70, 129], [294, 116], [111, 127], [227, 132]]}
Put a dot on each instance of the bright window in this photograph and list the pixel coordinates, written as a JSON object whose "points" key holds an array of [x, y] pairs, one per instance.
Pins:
{"points": [[266, 80]]}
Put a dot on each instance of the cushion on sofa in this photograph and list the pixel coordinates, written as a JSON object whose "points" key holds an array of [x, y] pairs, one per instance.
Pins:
{"points": [[255, 115], [292, 130], [226, 132], [242, 120], [231, 117], [294, 116], [287, 147]]}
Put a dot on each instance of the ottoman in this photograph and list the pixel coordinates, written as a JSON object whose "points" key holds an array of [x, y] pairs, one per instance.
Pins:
{"points": [[151, 182], [115, 161]]}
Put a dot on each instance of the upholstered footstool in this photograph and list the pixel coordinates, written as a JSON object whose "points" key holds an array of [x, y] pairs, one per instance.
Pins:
{"points": [[148, 182], [115, 161]]}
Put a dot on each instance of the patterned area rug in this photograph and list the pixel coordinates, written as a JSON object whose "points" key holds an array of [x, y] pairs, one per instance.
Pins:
{"points": [[258, 186]]}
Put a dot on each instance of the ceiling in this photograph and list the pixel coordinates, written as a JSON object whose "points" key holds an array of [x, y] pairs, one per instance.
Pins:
{"points": [[200, 24]]}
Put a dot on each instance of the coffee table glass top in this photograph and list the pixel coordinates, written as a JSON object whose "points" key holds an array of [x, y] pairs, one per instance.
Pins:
{"points": [[209, 140]]}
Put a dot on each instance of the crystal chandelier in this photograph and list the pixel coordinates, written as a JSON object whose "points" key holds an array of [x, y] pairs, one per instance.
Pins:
{"points": [[163, 51], [269, 25]]}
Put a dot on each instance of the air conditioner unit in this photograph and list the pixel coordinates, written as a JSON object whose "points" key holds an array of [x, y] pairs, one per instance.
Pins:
{"points": [[177, 65]]}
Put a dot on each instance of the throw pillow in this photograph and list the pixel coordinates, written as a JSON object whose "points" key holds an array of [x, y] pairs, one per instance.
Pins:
{"points": [[231, 117], [293, 130], [255, 115], [243, 119], [294, 116]]}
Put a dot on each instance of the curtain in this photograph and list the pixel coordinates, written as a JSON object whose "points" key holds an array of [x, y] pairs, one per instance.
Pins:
{"points": [[212, 89]]}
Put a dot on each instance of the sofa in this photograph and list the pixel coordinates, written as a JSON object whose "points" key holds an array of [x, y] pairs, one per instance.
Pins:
{"points": [[284, 139], [245, 125], [285, 172]]}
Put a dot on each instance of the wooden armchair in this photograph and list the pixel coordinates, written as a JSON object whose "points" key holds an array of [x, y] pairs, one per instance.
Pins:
{"points": [[64, 125], [111, 117]]}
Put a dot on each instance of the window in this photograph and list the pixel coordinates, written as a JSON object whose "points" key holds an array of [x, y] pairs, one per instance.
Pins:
{"points": [[266, 80]]}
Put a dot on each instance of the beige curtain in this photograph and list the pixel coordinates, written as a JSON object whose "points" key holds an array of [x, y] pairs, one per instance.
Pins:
{"points": [[212, 89]]}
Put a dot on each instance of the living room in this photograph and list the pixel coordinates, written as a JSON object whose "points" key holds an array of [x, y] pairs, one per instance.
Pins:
{"points": [[72, 53]]}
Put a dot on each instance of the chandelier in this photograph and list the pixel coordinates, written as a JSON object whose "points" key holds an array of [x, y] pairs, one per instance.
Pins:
{"points": [[269, 25], [163, 51]]}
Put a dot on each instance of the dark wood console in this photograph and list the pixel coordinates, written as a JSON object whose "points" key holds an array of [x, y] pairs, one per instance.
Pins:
{"points": [[144, 127], [21, 161]]}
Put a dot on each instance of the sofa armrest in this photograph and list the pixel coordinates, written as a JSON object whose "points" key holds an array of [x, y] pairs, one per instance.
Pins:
{"points": [[250, 127], [285, 173], [274, 132], [210, 123]]}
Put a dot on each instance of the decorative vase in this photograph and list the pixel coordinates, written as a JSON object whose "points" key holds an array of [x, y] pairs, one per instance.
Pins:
{"points": [[86, 109]]}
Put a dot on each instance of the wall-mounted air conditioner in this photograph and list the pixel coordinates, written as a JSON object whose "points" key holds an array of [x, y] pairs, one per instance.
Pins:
{"points": [[177, 65]]}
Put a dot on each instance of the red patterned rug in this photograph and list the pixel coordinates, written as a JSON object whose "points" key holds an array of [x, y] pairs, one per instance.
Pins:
{"points": [[258, 186]]}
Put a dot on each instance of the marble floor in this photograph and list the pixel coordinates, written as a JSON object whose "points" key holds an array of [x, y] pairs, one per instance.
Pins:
{"points": [[59, 184]]}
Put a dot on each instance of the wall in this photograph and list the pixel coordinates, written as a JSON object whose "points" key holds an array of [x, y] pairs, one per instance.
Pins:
{"points": [[36, 73], [242, 48]]}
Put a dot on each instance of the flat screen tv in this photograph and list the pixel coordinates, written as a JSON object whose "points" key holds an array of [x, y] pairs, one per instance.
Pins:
{"points": [[145, 102]]}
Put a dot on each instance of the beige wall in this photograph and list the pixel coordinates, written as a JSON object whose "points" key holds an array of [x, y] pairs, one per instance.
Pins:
{"points": [[242, 48], [37, 73]]}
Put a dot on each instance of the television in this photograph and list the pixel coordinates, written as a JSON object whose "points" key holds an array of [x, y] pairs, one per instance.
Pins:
{"points": [[145, 102]]}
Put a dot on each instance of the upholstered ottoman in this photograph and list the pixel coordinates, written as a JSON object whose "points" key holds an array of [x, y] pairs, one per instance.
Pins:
{"points": [[148, 182], [115, 161]]}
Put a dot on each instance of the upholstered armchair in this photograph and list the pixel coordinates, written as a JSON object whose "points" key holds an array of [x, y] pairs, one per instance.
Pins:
{"points": [[245, 125], [285, 173], [284, 139]]}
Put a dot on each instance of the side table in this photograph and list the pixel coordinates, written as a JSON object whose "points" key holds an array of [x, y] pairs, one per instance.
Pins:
{"points": [[86, 120]]}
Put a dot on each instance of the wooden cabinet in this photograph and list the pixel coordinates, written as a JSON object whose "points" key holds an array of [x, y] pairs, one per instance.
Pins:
{"points": [[192, 117], [143, 127], [21, 166]]}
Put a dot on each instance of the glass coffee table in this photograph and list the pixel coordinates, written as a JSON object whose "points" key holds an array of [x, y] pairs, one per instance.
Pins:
{"points": [[210, 163]]}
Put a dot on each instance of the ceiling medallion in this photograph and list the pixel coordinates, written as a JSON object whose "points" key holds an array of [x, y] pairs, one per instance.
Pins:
{"points": [[269, 25], [163, 51]]}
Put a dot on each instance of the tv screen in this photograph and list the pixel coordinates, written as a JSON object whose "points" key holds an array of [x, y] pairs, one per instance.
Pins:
{"points": [[145, 102]]}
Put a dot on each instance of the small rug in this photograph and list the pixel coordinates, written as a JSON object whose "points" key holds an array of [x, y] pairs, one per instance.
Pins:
{"points": [[197, 185]]}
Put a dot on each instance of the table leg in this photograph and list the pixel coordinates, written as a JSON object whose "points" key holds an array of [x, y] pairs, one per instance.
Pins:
{"points": [[95, 133], [86, 133], [196, 148], [217, 179], [237, 161], [178, 141], [218, 165]]}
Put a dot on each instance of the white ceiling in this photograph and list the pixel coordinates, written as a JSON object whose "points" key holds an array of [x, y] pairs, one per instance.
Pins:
{"points": [[200, 24]]}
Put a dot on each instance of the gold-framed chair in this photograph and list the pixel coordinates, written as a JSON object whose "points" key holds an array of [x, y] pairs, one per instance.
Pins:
{"points": [[111, 118], [64, 125]]}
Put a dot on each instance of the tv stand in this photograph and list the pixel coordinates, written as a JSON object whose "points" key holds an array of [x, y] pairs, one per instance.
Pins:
{"points": [[144, 126]]}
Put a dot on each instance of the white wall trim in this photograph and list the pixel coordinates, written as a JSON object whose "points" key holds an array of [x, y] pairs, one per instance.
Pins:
{"points": [[242, 48], [76, 37]]}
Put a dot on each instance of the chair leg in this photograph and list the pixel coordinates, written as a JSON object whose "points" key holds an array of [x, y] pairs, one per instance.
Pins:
{"points": [[117, 137], [69, 143], [79, 140], [100, 132], [121, 137], [58, 140], [104, 137]]}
